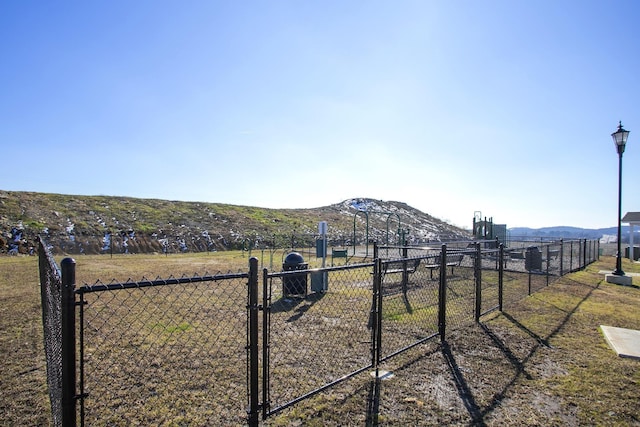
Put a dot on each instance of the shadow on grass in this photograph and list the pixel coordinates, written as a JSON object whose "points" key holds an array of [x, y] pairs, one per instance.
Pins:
{"points": [[298, 305], [373, 403], [518, 364], [375, 388], [477, 413], [462, 387]]}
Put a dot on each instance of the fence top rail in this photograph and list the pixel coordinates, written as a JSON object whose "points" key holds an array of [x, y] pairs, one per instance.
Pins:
{"points": [[315, 270], [435, 245], [549, 240], [450, 251], [98, 287], [408, 259]]}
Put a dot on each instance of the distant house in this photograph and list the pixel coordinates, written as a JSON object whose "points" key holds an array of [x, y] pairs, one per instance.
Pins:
{"points": [[631, 218], [609, 238]]}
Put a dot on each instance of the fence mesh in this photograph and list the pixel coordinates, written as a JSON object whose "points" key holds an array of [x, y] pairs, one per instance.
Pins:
{"points": [[317, 338], [489, 279], [409, 306], [51, 294], [165, 354], [175, 351], [460, 288]]}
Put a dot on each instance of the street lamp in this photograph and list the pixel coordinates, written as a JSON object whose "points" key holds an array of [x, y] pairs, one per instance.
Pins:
{"points": [[620, 139]]}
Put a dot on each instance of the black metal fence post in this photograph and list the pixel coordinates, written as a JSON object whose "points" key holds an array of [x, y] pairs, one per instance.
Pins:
{"points": [[570, 256], [68, 321], [548, 262], [580, 254], [477, 273], [561, 256], [500, 276], [252, 347], [266, 337], [442, 294], [405, 273], [376, 314]]}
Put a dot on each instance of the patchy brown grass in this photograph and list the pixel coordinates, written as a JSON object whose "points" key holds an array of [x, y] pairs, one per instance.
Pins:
{"points": [[23, 392], [543, 361]]}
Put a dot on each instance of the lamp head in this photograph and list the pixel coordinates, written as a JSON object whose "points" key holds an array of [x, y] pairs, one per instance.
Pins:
{"points": [[620, 138]]}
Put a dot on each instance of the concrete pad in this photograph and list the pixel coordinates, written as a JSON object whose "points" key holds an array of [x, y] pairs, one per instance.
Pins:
{"points": [[625, 342], [382, 375], [626, 274], [625, 280]]}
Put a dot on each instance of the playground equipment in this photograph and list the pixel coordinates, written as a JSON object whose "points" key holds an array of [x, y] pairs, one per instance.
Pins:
{"points": [[400, 231], [487, 230]]}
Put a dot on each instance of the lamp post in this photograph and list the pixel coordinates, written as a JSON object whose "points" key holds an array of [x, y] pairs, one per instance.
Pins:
{"points": [[620, 139]]}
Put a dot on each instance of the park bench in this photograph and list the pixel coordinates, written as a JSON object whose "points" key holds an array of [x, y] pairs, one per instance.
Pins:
{"points": [[452, 260], [400, 266], [339, 253]]}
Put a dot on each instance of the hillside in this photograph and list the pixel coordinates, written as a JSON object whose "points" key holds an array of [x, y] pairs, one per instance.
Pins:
{"points": [[98, 224]]}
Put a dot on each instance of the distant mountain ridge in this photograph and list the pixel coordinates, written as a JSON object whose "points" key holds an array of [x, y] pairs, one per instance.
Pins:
{"points": [[571, 232], [98, 224]]}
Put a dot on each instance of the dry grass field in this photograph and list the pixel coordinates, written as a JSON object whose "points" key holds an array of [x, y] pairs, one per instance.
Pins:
{"points": [[543, 361]]}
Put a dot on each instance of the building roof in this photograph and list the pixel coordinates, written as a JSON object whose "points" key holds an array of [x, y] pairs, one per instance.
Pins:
{"points": [[631, 217]]}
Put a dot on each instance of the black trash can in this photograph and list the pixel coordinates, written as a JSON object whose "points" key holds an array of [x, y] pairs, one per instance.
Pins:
{"points": [[294, 284], [533, 259], [636, 252]]}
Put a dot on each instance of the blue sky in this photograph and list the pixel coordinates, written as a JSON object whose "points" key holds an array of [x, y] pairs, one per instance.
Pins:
{"points": [[502, 107]]}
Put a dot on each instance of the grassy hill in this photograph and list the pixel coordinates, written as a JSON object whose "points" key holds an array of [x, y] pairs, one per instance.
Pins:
{"points": [[95, 224]]}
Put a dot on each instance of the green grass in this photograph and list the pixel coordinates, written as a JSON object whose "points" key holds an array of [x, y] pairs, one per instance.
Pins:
{"points": [[566, 316], [23, 392], [543, 361]]}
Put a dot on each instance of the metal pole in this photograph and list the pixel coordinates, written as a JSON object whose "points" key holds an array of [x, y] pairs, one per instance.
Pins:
{"points": [[500, 276], [548, 261], [477, 267], [618, 271], [68, 320], [378, 314], [570, 256], [266, 327], [561, 256], [442, 294], [254, 404], [405, 273]]}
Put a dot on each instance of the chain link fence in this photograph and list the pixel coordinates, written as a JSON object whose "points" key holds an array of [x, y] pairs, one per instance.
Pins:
{"points": [[225, 349], [175, 347], [319, 330], [51, 295]]}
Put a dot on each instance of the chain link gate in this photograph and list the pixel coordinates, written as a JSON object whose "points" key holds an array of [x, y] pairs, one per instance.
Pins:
{"points": [[313, 340], [165, 350]]}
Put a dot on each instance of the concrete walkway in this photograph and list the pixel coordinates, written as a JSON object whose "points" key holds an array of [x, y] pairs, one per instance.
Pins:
{"points": [[625, 342]]}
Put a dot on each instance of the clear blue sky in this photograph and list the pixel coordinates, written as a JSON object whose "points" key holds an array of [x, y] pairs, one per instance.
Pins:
{"points": [[503, 107]]}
